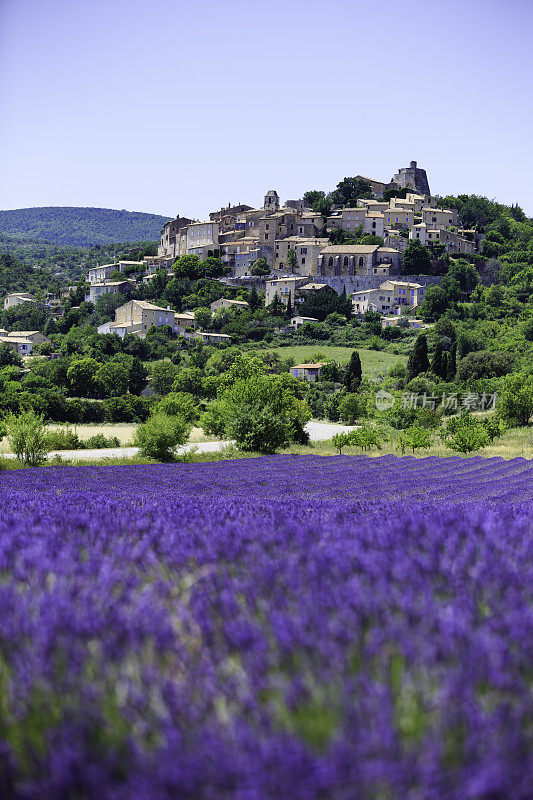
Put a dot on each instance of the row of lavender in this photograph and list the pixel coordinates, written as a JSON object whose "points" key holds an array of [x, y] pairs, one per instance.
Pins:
{"points": [[286, 627]]}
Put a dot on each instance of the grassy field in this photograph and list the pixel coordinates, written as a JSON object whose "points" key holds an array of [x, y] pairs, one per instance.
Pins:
{"points": [[371, 360], [515, 443], [124, 431]]}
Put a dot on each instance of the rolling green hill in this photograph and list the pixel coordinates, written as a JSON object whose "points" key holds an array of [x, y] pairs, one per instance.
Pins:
{"points": [[75, 227]]}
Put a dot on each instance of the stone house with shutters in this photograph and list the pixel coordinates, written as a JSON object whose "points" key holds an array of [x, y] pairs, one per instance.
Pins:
{"points": [[391, 296], [439, 218], [307, 252], [142, 315]]}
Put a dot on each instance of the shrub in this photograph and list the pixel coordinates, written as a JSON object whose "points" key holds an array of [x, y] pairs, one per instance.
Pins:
{"points": [[27, 434], [516, 399], [159, 436], [262, 431], [182, 404], [484, 364], [62, 439]]}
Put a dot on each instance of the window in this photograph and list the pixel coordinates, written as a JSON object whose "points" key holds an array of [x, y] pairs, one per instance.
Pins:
{"points": [[345, 262], [303, 261], [330, 261], [303, 251], [361, 261], [266, 237]]}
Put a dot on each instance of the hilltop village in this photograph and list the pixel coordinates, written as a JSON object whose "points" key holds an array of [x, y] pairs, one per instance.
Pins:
{"points": [[353, 242], [434, 294]]}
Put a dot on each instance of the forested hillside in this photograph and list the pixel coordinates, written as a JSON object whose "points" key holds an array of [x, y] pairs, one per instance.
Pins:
{"points": [[83, 227]]}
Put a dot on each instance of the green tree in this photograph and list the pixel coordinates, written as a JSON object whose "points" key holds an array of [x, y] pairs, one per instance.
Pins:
{"points": [[27, 437], [366, 438], [467, 438], [340, 440], [257, 429], [418, 360], [415, 438], [371, 238], [437, 361], [159, 436], [451, 367], [181, 404], [8, 357], [137, 376], [163, 376], [81, 377], [352, 407], [260, 268], [416, 259], [190, 380], [354, 372], [261, 413], [516, 398], [484, 364], [292, 260], [112, 378], [203, 318]]}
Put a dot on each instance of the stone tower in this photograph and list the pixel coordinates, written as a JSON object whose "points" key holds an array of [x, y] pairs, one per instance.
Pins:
{"points": [[271, 201], [412, 177]]}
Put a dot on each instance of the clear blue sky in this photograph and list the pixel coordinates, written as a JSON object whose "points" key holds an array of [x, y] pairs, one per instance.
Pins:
{"points": [[169, 106]]}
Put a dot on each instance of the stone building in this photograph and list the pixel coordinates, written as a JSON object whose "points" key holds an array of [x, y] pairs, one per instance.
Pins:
{"points": [[98, 290], [17, 298], [412, 177], [391, 296], [227, 217], [271, 202], [285, 288], [169, 233], [358, 259], [440, 217], [307, 252]]}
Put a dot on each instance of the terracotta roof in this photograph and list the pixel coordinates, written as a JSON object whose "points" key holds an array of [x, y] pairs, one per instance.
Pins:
{"points": [[319, 364]]}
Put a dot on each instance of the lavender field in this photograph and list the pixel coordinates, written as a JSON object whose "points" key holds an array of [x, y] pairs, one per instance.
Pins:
{"points": [[282, 628]]}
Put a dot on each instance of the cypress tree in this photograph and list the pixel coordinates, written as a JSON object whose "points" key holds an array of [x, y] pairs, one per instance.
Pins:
{"points": [[452, 363], [354, 372], [253, 300], [444, 366], [289, 307], [345, 303], [418, 360], [436, 364]]}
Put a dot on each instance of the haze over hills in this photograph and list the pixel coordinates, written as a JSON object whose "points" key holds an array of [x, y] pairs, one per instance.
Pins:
{"points": [[73, 226]]}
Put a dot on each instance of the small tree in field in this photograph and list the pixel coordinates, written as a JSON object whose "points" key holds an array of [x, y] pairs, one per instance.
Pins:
{"points": [[466, 436], [366, 438], [415, 437], [159, 436], [26, 435], [341, 440]]}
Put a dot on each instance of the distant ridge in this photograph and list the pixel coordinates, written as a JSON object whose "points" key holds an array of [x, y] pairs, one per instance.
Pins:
{"points": [[73, 226]]}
